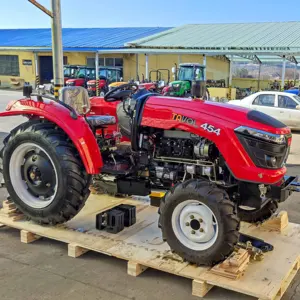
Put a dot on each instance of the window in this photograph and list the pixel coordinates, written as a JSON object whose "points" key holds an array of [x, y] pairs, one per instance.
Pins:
{"points": [[9, 65], [265, 100], [119, 62], [286, 102], [109, 62]]}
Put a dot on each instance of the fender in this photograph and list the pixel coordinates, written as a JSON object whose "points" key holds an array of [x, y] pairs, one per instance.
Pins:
{"points": [[78, 130]]}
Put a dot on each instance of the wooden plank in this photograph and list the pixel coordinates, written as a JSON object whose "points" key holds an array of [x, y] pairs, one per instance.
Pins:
{"points": [[277, 222], [28, 237], [200, 288], [135, 269], [142, 246], [287, 281], [75, 250]]}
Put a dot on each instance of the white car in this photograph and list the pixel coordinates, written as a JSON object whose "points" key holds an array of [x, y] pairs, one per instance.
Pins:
{"points": [[284, 107]]}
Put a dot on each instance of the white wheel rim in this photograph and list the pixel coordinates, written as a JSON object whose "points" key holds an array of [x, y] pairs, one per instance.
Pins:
{"points": [[195, 225], [20, 186]]}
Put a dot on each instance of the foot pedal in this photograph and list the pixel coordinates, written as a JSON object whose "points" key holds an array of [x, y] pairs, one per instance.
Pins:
{"points": [[112, 220], [129, 214]]}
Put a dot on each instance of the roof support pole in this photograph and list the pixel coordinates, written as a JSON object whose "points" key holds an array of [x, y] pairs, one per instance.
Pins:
{"points": [[204, 64], [147, 67], [295, 74], [57, 47], [37, 69], [179, 59], [283, 72], [137, 67], [97, 73], [258, 81], [230, 77], [230, 70]]}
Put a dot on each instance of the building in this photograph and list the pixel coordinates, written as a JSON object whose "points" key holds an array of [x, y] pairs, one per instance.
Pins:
{"points": [[26, 53]]}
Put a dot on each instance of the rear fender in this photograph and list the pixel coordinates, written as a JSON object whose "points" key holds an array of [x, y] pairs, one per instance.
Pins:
{"points": [[77, 129]]}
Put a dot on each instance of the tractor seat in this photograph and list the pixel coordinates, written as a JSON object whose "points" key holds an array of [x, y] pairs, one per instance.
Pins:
{"points": [[99, 121]]}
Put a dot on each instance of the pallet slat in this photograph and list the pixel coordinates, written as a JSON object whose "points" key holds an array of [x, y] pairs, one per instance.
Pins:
{"points": [[142, 246]]}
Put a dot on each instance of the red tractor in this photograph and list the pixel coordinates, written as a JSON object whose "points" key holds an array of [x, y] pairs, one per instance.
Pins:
{"points": [[107, 75], [218, 163], [81, 77], [69, 73]]}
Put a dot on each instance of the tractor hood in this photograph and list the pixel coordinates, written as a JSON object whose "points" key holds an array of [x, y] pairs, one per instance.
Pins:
{"points": [[231, 114]]}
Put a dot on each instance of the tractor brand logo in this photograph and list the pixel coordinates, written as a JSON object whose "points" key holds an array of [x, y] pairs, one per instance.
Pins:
{"points": [[183, 119]]}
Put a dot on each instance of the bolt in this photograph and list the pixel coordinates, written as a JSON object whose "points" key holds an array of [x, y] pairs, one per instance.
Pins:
{"points": [[187, 224], [193, 232], [192, 217], [201, 230], [48, 184], [200, 220], [34, 158]]}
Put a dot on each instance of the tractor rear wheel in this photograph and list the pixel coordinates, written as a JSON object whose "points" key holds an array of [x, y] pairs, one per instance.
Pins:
{"points": [[43, 173], [199, 223]]}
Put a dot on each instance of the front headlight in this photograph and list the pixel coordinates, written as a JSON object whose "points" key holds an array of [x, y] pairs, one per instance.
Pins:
{"points": [[71, 83], [177, 85], [267, 150], [263, 135]]}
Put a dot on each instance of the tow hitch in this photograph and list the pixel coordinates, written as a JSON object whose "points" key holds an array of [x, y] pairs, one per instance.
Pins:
{"points": [[282, 192]]}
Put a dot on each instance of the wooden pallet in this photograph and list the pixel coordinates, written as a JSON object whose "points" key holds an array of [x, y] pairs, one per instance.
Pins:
{"points": [[141, 245]]}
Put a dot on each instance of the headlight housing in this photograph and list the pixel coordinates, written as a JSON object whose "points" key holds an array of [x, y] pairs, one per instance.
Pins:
{"points": [[267, 150], [70, 83]]}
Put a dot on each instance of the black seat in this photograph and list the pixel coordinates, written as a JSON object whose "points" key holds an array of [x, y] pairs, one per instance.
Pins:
{"points": [[99, 121]]}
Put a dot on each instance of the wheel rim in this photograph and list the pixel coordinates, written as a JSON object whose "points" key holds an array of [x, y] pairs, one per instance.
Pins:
{"points": [[33, 175], [195, 225]]}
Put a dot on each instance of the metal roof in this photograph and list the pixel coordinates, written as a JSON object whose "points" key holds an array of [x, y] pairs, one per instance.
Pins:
{"points": [[88, 38], [238, 37]]}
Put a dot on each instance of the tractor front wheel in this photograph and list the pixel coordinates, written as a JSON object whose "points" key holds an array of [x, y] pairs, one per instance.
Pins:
{"points": [[43, 173], [199, 223]]}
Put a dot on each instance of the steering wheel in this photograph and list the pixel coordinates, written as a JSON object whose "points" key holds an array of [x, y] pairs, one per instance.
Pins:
{"points": [[121, 92]]}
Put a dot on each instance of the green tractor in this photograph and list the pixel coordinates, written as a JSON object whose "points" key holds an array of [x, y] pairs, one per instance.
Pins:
{"points": [[189, 82]]}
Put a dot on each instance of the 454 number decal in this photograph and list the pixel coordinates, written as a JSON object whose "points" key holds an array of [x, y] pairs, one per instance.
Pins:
{"points": [[211, 128]]}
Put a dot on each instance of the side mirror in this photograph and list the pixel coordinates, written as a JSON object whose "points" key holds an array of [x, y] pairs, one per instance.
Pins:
{"points": [[298, 107], [197, 71], [121, 78], [173, 70], [27, 90]]}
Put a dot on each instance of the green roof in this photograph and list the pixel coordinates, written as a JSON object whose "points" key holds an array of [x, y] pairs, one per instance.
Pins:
{"points": [[252, 37]]}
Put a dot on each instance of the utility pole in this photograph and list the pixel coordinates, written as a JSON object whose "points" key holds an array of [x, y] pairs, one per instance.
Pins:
{"points": [[57, 47]]}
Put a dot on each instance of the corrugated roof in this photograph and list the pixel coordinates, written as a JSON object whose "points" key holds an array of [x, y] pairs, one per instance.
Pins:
{"points": [[97, 38], [226, 36]]}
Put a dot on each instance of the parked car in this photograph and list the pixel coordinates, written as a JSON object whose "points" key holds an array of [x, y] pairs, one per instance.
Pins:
{"points": [[285, 107]]}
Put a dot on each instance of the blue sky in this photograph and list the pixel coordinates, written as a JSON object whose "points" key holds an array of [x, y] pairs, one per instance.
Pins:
{"points": [[121, 13]]}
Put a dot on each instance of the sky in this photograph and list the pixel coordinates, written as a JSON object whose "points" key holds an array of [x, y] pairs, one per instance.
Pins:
{"points": [[138, 13]]}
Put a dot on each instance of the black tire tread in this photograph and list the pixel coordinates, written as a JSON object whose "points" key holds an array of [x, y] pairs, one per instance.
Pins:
{"points": [[258, 215], [77, 178]]}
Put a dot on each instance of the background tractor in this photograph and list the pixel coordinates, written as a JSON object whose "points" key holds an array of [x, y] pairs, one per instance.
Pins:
{"points": [[69, 73], [107, 75], [185, 76]]}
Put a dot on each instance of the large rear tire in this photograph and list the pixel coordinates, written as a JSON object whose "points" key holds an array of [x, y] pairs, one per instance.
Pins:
{"points": [[43, 173], [199, 223]]}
